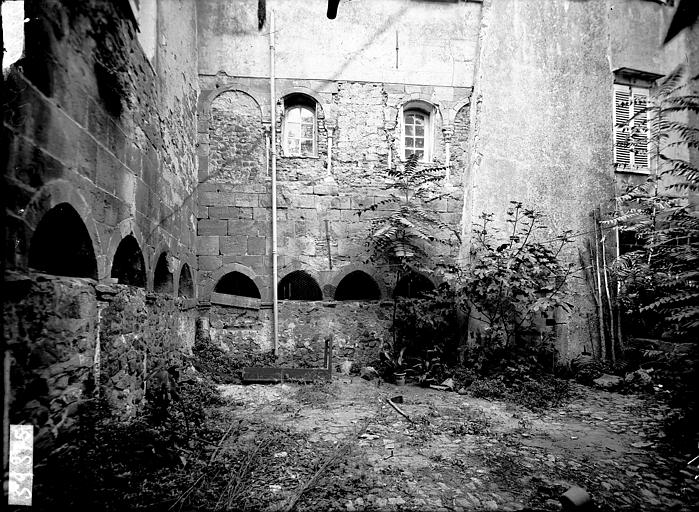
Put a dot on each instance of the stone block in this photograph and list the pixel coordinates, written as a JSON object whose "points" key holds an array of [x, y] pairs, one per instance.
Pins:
{"points": [[342, 203], [207, 227], [208, 245], [240, 213], [256, 246], [202, 212], [245, 200], [219, 212], [326, 190], [236, 244], [242, 227], [303, 201]]}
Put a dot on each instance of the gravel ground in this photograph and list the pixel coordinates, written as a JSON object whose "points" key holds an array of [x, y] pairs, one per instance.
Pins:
{"points": [[455, 453]]}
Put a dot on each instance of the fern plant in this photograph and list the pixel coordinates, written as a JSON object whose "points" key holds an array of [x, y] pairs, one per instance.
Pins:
{"points": [[407, 233], [660, 278], [408, 229]]}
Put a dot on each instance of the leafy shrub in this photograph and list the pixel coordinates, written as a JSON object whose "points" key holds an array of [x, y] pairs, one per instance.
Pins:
{"points": [[104, 462], [514, 277]]}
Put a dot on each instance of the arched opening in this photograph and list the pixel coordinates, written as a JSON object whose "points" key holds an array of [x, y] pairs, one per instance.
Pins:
{"points": [[357, 285], [61, 244], [128, 266], [413, 286], [237, 283], [185, 287], [298, 285], [162, 278]]}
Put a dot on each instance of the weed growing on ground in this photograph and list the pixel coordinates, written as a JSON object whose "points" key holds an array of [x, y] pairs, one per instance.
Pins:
{"points": [[316, 393], [536, 395]]}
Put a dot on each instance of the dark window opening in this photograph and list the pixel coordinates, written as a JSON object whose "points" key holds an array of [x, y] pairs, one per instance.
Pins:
{"points": [[185, 288], [129, 266], [629, 242], [237, 283], [298, 285], [62, 246], [357, 285], [413, 286], [162, 278]]}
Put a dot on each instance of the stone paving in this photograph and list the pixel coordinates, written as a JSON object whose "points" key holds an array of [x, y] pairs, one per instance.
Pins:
{"points": [[460, 453]]}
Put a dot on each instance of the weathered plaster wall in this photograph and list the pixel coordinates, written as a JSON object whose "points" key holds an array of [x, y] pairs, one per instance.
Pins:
{"points": [[542, 121], [358, 330], [637, 32], [436, 40], [117, 145], [318, 226]]}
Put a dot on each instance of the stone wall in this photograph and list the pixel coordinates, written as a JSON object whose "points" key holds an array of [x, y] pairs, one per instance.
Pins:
{"points": [[139, 335], [93, 123], [50, 324], [319, 229], [358, 330], [54, 326]]}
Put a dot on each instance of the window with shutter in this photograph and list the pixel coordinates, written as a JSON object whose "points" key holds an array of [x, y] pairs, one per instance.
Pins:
{"points": [[631, 128]]}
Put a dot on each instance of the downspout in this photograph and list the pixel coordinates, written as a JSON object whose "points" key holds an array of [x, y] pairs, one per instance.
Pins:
{"points": [[273, 114]]}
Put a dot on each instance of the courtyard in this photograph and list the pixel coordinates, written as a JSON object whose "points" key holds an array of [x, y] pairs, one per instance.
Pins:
{"points": [[342, 446]]}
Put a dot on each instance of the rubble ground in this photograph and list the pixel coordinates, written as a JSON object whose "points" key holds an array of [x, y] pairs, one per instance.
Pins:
{"points": [[342, 446]]}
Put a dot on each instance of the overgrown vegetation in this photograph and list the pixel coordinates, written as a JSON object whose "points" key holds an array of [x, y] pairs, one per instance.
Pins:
{"points": [[407, 235], [659, 278]]}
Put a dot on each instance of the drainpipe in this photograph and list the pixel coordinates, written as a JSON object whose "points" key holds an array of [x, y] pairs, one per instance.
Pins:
{"points": [[331, 133], [273, 113]]}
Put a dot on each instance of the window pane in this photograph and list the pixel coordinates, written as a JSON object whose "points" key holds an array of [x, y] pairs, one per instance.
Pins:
{"points": [[307, 148], [409, 129], [409, 118], [307, 131], [420, 153], [419, 142], [419, 119], [408, 152], [409, 142], [293, 131], [293, 115], [420, 130], [306, 115]]}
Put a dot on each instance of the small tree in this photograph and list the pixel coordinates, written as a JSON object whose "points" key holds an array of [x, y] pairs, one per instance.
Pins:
{"points": [[406, 233], [514, 277]]}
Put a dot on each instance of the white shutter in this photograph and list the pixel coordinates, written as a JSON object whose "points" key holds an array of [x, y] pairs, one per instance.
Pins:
{"points": [[622, 99], [640, 132]]}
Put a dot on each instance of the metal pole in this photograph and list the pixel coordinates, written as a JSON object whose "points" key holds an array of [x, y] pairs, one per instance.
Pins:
{"points": [[273, 113]]}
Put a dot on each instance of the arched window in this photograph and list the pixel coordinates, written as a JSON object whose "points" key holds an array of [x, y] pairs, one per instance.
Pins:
{"points": [[298, 285], [162, 277], [416, 134], [413, 286], [61, 244], [185, 287], [300, 126], [237, 283], [129, 266], [357, 285]]}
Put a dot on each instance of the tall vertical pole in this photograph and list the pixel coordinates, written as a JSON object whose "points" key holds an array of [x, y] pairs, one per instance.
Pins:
{"points": [[273, 114]]}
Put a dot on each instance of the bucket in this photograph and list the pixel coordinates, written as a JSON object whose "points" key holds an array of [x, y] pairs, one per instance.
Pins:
{"points": [[399, 378]]}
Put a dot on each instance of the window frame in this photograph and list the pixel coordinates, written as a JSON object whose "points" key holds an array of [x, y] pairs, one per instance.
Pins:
{"points": [[428, 135], [312, 108]]}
